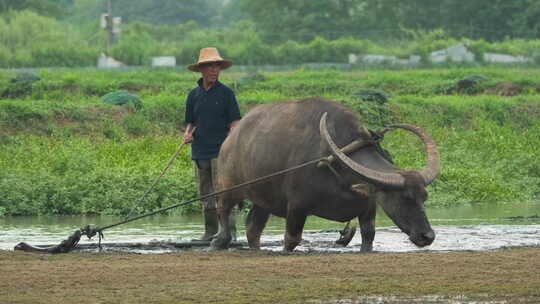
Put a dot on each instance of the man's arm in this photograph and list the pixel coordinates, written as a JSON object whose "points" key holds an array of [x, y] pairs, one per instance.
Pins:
{"points": [[189, 120], [188, 134]]}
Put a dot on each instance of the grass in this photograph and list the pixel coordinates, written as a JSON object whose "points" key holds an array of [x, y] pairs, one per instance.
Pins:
{"points": [[263, 277], [65, 152]]}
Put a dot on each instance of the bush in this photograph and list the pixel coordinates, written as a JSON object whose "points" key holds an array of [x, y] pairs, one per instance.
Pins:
{"points": [[373, 107], [135, 48], [31, 40], [20, 85], [64, 152], [121, 98]]}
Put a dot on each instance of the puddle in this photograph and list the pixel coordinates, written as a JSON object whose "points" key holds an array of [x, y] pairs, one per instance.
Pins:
{"points": [[449, 238], [466, 238], [457, 229]]}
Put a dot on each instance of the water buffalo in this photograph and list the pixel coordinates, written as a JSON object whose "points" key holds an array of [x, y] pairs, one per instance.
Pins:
{"points": [[278, 136]]}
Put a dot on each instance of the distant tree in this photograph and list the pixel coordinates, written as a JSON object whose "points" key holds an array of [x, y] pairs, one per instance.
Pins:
{"points": [[478, 19], [167, 12], [63, 3], [482, 19], [229, 12], [527, 24], [281, 20], [43, 7]]}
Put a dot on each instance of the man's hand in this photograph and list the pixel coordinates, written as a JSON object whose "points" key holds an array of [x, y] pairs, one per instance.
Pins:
{"points": [[188, 135]]}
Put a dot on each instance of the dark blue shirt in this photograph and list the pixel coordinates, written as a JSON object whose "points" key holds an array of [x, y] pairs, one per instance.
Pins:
{"points": [[211, 112]]}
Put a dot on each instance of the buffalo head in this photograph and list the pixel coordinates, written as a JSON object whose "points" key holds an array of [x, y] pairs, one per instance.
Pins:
{"points": [[400, 193]]}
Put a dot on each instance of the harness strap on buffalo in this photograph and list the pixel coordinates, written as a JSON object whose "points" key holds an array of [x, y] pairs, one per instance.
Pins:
{"points": [[90, 231]]}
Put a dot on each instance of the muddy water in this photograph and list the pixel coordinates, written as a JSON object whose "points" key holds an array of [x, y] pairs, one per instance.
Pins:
{"points": [[465, 228]]}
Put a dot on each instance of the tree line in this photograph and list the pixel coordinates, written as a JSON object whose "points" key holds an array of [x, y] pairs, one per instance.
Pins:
{"points": [[262, 32], [302, 20], [491, 20]]}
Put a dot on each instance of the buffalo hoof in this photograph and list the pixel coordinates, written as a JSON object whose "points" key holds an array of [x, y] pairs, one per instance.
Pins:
{"points": [[220, 244], [366, 248], [346, 235], [287, 250], [204, 238]]}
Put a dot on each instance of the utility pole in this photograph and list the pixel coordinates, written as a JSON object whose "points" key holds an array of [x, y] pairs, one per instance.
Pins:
{"points": [[110, 35]]}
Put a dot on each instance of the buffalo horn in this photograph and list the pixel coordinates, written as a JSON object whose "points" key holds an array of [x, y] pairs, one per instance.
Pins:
{"points": [[433, 159], [382, 178]]}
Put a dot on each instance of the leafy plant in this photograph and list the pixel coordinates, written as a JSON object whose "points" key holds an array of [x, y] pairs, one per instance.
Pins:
{"points": [[71, 154]]}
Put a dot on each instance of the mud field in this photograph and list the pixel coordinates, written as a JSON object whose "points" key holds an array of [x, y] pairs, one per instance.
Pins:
{"points": [[387, 240], [465, 264], [473, 260], [241, 276]]}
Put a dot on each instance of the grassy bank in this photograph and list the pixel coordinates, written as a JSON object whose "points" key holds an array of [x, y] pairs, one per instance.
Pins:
{"points": [[63, 151], [260, 277]]}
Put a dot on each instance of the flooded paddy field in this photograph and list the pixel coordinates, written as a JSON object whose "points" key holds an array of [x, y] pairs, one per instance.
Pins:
{"points": [[481, 255], [457, 229]]}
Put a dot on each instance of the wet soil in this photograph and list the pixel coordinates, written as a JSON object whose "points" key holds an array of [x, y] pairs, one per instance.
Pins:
{"points": [[476, 263], [242, 276], [389, 239]]}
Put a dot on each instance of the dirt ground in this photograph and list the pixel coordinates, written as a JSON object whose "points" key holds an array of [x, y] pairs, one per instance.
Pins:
{"points": [[508, 276]]}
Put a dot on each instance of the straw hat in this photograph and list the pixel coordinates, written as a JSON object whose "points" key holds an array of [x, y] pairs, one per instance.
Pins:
{"points": [[207, 55]]}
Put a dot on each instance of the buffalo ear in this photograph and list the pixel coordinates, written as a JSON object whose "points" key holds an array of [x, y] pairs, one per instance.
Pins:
{"points": [[364, 190]]}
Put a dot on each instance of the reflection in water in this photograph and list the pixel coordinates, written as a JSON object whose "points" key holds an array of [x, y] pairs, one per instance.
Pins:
{"points": [[464, 228]]}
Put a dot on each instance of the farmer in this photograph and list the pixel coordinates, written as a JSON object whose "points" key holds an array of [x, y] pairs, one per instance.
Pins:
{"points": [[211, 112]]}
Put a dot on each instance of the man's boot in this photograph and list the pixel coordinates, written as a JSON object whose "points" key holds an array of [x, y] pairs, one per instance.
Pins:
{"points": [[205, 183], [210, 224]]}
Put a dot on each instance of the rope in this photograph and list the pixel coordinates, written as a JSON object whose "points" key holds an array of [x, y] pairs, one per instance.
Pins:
{"points": [[90, 231], [182, 145]]}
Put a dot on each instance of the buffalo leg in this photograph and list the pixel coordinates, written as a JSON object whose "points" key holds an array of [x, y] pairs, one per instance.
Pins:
{"points": [[367, 230], [346, 234], [223, 237], [255, 223], [296, 219]]}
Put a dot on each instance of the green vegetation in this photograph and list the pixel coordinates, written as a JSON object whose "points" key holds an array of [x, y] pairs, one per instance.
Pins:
{"points": [[28, 39], [64, 151]]}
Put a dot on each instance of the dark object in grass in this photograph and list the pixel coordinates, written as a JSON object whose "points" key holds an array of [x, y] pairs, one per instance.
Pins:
{"points": [[372, 95], [20, 85], [470, 84], [123, 98], [507, 89]]}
